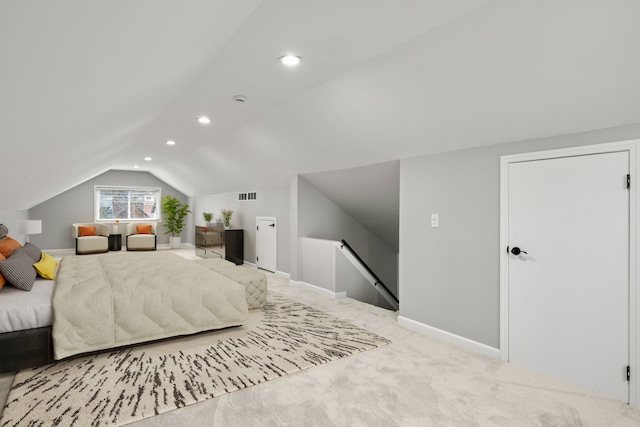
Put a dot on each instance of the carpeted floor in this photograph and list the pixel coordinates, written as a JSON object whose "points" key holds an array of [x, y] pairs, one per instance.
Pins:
{"points": [[119, 387], [413, 381]]}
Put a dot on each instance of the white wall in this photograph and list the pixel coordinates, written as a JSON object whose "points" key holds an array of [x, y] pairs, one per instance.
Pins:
{"points": [[317, 263], [10, 219], [271, 202], [214, 203]]}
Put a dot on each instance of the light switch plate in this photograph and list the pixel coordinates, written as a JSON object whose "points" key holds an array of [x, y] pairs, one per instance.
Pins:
{"points": [[435, 220]]}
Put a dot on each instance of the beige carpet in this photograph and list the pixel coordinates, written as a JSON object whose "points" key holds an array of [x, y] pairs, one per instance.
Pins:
{"points": [[119, 387], [413, 381]]}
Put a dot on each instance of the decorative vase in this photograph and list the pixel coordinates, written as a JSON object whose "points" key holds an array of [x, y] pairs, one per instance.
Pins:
{"points": [[175, 242], [227, 225]]}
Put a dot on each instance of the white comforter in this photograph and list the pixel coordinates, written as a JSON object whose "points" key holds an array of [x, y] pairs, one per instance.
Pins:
{"points": [[113, 300]]}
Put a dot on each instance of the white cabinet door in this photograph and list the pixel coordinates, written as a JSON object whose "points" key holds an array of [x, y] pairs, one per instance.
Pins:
{"points": [[266, 244]]}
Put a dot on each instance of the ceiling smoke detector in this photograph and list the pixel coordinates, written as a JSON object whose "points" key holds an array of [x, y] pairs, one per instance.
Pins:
{"points": [[240, 98]]}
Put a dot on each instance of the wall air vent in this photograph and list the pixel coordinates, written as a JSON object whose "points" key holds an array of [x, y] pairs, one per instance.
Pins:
{"points": [[247, 197]]}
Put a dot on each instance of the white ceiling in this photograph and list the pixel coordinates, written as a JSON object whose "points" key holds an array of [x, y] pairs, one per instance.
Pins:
{"points": [[88, 86]]}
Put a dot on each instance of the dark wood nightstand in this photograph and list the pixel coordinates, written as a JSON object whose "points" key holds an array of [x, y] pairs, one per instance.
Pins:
{"points": [[115, 242], [234, 246]]}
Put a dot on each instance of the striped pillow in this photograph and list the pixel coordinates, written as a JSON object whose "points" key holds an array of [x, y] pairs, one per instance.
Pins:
{"points": [[18, 270], [33, 251], [2, 279]]}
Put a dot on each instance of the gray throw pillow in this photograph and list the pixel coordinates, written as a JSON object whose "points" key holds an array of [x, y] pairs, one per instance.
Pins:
{"points": [[18, 269], [33, 251]]}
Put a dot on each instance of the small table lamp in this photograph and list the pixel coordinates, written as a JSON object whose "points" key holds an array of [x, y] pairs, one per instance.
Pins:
{"points": [[29, 226]]}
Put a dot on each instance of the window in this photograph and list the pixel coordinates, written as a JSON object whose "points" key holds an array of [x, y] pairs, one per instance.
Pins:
{"points": [[127, 203]]}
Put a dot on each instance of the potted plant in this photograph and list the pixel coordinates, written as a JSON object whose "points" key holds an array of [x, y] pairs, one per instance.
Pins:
{"points": [[175, 212], [208, 216], [226, 214]]}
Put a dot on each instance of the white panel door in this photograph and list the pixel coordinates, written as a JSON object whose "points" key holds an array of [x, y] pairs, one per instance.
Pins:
{"points": [[266, 244], [569, 287]]}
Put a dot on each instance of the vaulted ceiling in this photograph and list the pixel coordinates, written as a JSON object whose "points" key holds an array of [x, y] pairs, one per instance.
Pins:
{"points": [[88, 86]]}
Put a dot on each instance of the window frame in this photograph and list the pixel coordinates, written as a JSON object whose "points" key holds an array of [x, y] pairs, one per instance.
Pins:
{"points": [[97, 199]]}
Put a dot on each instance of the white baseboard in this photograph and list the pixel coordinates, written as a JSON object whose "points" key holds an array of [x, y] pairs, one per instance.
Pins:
{"points": [[318, 289], [283, 274], [449, 337], [57, 251], [183, 245]]}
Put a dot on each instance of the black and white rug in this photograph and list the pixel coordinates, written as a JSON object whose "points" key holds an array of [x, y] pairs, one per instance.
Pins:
{"points": [[123, 386]]}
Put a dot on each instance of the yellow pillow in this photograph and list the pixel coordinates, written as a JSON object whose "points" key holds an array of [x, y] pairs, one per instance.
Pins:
{"points": [[46, 267]]}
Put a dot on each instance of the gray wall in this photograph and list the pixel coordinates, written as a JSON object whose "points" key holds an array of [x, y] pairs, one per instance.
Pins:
{"points": [[321, 218], [271, 202], [449, 276], [76, 205]]}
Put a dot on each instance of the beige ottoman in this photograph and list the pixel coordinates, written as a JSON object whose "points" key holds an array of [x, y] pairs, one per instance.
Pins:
{"points": [[254, 282]]}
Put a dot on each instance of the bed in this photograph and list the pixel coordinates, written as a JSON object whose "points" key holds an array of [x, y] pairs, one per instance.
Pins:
{"points": [[112, 300], [25, 326]]}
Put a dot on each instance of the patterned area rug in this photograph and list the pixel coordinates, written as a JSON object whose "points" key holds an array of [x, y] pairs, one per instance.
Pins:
{"points": [[123, 386]]}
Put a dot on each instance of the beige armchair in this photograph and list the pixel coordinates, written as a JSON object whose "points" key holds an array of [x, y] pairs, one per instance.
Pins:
{"points": [[91, 238], [141, 236]]}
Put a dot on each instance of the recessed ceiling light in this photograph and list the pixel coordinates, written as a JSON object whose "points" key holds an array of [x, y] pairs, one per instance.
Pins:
{"points": [[169, 142], [148, 159], [240, 98], [204, 120], [290, 60]]}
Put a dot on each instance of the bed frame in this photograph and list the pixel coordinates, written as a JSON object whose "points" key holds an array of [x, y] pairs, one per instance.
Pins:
{"points": [[25, 349]]}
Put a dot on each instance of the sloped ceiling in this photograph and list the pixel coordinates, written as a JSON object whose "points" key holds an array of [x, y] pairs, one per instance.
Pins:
{"points": [[370, 194], [88, 86]]}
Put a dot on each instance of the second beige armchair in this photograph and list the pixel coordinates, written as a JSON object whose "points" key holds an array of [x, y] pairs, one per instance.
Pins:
{"points": [[141, 236]]}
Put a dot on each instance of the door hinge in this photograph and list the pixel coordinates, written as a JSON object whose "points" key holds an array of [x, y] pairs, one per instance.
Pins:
{"points": [[257, 258], [628, 373], [628, 181]]}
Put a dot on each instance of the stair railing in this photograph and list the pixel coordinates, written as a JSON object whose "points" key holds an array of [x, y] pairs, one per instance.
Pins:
{"points": [[374, 279]]}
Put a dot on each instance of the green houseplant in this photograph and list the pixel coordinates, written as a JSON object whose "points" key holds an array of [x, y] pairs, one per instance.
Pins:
{"points": [[208, 216], [226, 214], [175, 212]]}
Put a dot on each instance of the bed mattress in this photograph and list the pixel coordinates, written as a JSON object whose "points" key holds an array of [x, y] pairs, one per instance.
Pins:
{"points": [[20, 310]]}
